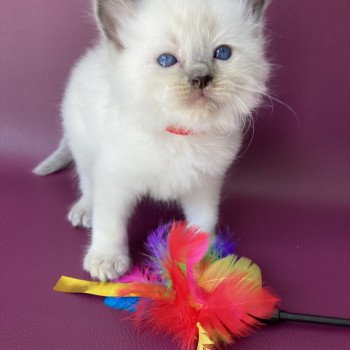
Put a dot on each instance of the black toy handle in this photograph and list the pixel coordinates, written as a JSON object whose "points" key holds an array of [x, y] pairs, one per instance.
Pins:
{"points": [[284, 316]]}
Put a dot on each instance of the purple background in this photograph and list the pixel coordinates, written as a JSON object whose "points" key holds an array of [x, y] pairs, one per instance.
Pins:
{"points": [[287, 198]]}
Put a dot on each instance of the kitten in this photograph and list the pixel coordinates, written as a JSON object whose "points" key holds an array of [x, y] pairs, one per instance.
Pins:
{"points": [[157, 108]]}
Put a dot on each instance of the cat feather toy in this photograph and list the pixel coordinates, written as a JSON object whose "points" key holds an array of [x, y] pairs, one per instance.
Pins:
{"points": [[199, 294]]}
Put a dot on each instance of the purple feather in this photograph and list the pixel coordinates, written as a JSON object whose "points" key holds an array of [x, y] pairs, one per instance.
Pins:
{"points": [[157, 245], [223, 245]]}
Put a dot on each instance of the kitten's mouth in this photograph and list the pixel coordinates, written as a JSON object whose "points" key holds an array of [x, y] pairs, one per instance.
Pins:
{"points": [[200, 97], [201, 100]]}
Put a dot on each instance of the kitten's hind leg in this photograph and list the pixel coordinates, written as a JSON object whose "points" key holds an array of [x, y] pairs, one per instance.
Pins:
{"points": [[80, 213]]}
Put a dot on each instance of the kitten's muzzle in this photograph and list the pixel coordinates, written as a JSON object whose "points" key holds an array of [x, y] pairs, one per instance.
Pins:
{"points": [[200, 82]]}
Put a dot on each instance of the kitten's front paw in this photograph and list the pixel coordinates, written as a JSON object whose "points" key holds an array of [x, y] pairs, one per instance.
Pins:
{"points": [[103, 268]]}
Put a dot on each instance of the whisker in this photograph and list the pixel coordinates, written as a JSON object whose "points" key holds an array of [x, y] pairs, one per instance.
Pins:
{"points": [[245, 69], [251, 127], [274, 99]]}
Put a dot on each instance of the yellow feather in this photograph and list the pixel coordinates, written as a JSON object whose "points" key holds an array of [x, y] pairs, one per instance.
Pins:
{"points": [[215, 273], [203, 338], [244, 265]]}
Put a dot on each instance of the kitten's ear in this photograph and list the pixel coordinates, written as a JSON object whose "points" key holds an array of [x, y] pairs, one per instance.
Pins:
{"points": [[258, 7], [109, 14]]}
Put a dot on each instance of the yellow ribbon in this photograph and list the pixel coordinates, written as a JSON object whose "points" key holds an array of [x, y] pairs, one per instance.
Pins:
{"points": [[102, 289]]}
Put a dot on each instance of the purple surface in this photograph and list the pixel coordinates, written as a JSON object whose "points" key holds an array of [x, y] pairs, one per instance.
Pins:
{"points": [[287, 198]]}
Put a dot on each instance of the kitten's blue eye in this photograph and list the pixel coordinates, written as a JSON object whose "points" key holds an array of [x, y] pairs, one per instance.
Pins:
{"points": [[167, 60], [223, 53]]}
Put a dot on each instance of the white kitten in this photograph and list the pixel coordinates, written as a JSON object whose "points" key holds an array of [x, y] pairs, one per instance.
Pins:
{"points": [[161, 67]]}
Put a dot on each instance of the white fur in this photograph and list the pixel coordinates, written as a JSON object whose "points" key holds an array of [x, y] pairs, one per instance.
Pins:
{"points": [[118, 105]]}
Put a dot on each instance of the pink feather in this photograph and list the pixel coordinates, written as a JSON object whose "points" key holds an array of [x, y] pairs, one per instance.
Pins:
{"points": [[187, 244]]}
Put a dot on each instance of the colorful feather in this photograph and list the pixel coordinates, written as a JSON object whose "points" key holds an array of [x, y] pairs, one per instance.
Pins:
{"points": [[199, 294], [200, 286]]}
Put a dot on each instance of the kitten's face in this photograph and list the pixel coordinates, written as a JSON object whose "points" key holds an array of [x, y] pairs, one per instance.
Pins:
{"points": [[199, 63]]}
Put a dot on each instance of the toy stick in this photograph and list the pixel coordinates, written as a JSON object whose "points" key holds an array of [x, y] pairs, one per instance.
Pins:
{"points": [[284, 316]]}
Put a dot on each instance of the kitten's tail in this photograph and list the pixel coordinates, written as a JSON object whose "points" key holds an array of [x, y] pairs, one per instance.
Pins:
{"points": [[58, 160]]}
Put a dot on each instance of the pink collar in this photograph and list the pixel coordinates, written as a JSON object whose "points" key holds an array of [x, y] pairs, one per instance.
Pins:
{"points": [[179, 131]]}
